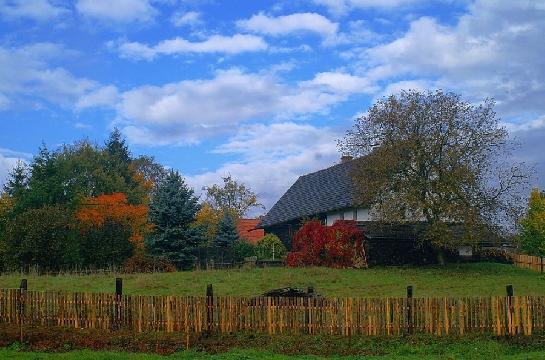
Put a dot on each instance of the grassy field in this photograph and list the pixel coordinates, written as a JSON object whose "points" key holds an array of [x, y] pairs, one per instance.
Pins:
{"points": [[450, 280]]}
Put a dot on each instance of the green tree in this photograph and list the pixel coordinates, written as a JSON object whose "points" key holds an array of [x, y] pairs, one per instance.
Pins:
{"points": [[172, 211], [431, 158], [17, 180], [226, 233], [270, 247], [241, 249], [43, 237], [532, 236], [232, 197]]}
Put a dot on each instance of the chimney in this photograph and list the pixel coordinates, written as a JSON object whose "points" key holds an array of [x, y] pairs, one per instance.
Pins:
{"points": [[346, 158]]}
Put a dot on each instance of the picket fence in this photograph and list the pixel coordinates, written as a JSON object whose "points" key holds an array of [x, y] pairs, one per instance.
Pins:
{"points": [[528, 262], [499, 315]]}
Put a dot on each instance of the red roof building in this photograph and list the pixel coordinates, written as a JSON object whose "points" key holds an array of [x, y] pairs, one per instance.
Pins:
{"points": [[247, 231]]}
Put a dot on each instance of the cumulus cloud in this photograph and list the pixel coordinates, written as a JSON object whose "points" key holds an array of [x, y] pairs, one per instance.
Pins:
{"points": [[288, 24], [190, 18], [496, 50], [28, 73], [121, 11], [272, 157], [235, 44], [187, 111], [39, 10]]}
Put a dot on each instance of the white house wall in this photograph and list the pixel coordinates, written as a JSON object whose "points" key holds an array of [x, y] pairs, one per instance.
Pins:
{"points": [[360, 214]]}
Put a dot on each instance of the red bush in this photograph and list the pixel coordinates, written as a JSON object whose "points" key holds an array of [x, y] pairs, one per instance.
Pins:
{"points": [[339, 246]]}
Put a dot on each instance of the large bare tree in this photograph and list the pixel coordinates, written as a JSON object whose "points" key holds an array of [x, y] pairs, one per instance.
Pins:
{"points": [[432, 159]]}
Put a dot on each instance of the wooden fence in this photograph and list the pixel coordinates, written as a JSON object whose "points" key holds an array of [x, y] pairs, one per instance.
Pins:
{"points": [[500, 315], [528, 262]]}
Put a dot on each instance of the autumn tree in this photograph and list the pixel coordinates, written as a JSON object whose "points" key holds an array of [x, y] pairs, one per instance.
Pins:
{"points": [[172, 211], [532, 235], [208, 219], [431, 158], [111, 229], [232, 197]]}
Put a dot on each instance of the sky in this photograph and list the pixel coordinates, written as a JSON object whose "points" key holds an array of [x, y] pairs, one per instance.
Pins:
{"points": [[260, 90]]}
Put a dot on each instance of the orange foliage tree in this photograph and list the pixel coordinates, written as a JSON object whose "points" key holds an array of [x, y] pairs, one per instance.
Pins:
{"points": [[96, 211]]}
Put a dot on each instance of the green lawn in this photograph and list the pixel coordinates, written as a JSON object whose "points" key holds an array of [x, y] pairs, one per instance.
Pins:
{"points": [[451, 280]]}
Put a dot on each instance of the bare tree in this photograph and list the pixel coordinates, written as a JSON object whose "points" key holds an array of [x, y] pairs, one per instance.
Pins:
{"points": [[433, 159]]}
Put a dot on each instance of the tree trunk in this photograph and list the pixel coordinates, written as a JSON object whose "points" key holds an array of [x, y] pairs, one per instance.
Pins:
{"points": [[441, 256]]}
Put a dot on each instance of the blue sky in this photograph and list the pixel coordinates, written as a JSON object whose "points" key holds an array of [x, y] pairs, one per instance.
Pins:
{"points": [[257, 89]]}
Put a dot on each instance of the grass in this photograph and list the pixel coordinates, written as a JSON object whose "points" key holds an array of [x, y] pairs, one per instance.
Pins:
{"points": [[477, 279], [402, 348]]}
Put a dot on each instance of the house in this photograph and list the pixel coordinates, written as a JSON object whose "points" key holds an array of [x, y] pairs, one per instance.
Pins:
{"points": [[247, 230], [329, 195]]}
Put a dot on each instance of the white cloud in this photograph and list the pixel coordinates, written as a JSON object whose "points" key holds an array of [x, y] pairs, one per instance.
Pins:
{"points": [[288, 24], [105, 96], [496, 50], [340, 7], [272, 157], [187, 111], [122, 11], [27, 75], [235, 44], [190, 18], [31, 9]]}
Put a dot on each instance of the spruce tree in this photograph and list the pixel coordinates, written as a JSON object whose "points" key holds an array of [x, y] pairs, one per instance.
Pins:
{"points": [[17, 181], [172, 210], [226, 234]]}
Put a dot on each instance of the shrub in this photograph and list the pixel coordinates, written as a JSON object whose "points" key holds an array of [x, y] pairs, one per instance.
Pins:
{"points": [[268, 245], [142, 263], [339, 246], [241, 249]]}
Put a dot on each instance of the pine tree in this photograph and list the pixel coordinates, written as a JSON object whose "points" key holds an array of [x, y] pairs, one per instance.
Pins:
{"points": [[172, 210], [227, 232]]}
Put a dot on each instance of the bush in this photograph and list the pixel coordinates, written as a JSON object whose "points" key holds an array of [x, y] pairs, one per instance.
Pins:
{"points": [[142, 263], [338, 246], [241, 249], [266, 245]]}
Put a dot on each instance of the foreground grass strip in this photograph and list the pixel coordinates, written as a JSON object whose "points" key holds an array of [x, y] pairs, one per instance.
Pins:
{"points": [[479, 279]]}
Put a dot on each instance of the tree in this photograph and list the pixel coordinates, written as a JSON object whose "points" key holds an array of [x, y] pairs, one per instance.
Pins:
{"points": [[208, 219], [434, 159], [172, 211], [111, 229], [532, 236], [43, 237], [233, 197], [227, 232], [117, 148], [270, 247], [17, 180]]}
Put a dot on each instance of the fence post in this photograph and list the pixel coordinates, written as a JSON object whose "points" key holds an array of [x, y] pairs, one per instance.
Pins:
{"points": [[409, 309], [510, 310], [22, 298], [118, 301], [542, 264], [210, 308]]}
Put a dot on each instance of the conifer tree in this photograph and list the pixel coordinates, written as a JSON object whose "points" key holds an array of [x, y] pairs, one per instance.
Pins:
{"points": [[226, 234], [172, 210], [17, 181]]}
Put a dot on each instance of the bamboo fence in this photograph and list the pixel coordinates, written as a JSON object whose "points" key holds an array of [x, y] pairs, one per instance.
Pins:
{"points": [[499, 315], [528, 262]]}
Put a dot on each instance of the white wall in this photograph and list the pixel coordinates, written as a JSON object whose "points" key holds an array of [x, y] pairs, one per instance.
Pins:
{"points": [[348, 214]]}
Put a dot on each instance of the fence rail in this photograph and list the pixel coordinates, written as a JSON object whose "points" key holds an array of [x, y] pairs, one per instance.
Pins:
{"points": [[500, 315], [528, 262]]}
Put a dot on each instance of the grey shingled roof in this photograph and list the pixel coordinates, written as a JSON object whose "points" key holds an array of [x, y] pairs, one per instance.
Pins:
{"points": [[324, 190]]}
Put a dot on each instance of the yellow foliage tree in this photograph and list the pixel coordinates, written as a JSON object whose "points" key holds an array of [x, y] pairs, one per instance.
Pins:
{"points": [[533, 225]]}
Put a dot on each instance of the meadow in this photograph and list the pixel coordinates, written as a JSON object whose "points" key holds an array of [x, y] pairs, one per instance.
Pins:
{"points": [[470, 279]]}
